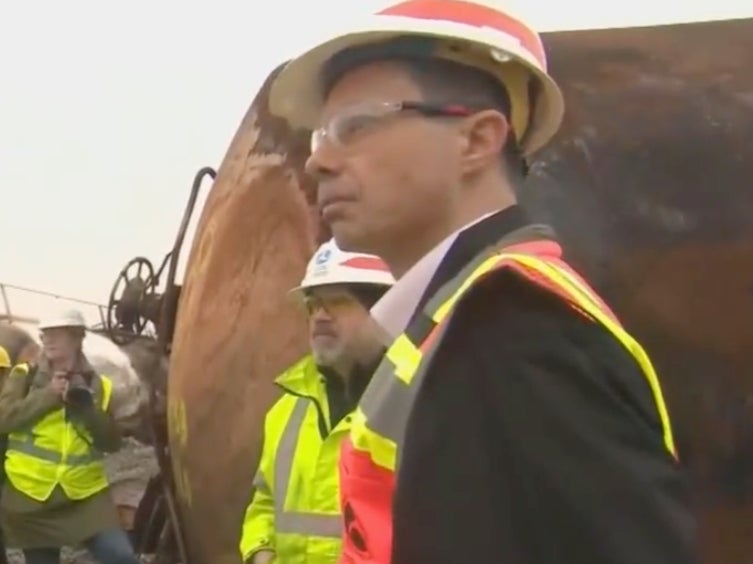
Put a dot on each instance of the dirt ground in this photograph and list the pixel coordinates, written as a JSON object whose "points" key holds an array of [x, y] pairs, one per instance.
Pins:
{"points": [[129, 471]]}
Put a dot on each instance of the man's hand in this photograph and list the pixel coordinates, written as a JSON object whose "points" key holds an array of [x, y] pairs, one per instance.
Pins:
{"points": [[59, 384]]}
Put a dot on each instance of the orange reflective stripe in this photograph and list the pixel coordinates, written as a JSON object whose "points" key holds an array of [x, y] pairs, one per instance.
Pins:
{"points": [[380, 421], [585, 298]]}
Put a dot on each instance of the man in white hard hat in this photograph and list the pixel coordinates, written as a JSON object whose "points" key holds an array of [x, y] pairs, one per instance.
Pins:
{"points": [[294, 514], [512, 419], [57, 414]]}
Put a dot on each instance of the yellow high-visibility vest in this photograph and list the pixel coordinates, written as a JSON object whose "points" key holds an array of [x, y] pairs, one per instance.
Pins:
{"points": [[55, 451], [295, 510]]}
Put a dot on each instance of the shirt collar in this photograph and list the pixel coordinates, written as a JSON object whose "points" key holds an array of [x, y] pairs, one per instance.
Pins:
{"points": [[395, 309]]}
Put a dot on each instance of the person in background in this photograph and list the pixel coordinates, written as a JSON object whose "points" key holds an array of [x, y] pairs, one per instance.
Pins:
{"points": [[294, 515], [58, 417]]}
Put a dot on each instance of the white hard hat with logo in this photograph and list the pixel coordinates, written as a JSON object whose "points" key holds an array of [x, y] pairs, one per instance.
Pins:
{"points": [[69, 318], [475, 33], [330, 265]]}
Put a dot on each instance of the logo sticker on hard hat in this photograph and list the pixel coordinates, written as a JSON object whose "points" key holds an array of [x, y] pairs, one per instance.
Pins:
{"points": [[321, 261], [323, 257]]}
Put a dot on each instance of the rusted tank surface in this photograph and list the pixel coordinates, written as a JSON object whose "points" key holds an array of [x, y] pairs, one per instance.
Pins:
{"points": [[236, 328], [648, 186]]}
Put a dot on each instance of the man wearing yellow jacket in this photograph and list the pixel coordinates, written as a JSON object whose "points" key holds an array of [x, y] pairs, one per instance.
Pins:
{"points": [[294, 516]]}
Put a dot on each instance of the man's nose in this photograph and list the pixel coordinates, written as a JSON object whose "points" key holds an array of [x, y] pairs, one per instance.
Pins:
{"points": [[323, 163], [319, 312]]}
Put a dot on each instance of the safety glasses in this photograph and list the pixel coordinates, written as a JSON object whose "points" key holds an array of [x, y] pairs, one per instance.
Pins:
{"points": [[352, 122], [330, 302]]}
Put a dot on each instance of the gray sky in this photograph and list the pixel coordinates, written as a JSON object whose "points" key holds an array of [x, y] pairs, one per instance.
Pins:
{"points": [[108, 109]]}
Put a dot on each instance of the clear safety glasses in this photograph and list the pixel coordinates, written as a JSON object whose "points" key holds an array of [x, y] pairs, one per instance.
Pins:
{"points": [[345, 126]]}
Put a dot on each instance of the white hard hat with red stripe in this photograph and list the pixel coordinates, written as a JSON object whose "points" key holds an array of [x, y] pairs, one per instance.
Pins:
{"points": [[474, 33], [330, 265]]}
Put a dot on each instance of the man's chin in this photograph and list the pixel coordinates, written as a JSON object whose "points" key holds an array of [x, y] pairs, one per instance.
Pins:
{"points": [[326, 357]]}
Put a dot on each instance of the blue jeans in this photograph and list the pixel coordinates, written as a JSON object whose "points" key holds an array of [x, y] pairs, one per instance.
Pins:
{"points": [[107, 547]]}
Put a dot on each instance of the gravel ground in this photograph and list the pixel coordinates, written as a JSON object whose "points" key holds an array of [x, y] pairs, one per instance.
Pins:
{"points": [[129, 471]]}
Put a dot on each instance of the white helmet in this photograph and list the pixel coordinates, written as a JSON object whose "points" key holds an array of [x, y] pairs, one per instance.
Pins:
{"points": [[475, 33], [330, 265], [69, 318]]}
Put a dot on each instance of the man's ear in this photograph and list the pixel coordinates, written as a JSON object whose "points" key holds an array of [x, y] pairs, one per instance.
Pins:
{"points": [[484, 135]]}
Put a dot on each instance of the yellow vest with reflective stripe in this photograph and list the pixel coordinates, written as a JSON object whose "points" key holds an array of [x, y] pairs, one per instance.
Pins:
{"points": [[371, 454], [295, 510], [378, 424], [55, 451]]}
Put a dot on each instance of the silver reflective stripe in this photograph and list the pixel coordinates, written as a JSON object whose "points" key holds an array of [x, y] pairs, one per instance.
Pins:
{"points": [[295, 522], [292, 522], [448, 290], [388, 400], [28, 447]]}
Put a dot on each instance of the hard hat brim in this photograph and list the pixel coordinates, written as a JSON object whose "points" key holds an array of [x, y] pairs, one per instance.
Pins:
{"points": [[60, 326], [296, 94], [297, 292]]}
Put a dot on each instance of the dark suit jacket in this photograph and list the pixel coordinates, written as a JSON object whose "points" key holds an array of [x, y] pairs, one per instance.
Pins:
{"points": [[535, 438]]}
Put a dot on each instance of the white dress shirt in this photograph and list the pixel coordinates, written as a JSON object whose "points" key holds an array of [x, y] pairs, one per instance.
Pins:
{"points": [[396, 307]]}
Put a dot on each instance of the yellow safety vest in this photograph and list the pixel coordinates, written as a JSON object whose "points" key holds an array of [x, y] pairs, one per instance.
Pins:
{"points": [[371, 454], [295, 510], [55, 451]]}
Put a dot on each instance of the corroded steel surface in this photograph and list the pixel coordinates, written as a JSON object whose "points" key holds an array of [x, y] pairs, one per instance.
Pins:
{"points": [[648, 186], [236, 328]]}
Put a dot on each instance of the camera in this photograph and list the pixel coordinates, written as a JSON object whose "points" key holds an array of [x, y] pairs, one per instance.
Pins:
{"points": [[79, 397]]}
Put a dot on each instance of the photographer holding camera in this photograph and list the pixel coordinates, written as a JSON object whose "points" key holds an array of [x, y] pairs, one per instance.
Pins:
{"points": [[58, 418]]}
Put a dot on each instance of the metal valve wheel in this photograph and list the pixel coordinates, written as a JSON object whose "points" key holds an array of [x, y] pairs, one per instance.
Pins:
{"points": [[133, 301]]}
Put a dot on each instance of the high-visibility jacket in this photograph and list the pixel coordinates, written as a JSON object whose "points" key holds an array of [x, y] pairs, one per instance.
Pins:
{"points": [[370, 453], [57, 451], [295, 510]]}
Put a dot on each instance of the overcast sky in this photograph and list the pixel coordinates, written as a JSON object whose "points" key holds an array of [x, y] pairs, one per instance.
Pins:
{"points": [[108, 109]]}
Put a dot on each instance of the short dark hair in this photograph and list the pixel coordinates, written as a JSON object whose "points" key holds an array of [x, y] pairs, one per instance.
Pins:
{"points": [[441, 81]]}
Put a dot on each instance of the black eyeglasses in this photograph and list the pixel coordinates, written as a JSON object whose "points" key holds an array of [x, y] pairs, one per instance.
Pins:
{"points": [[344, 126]]}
